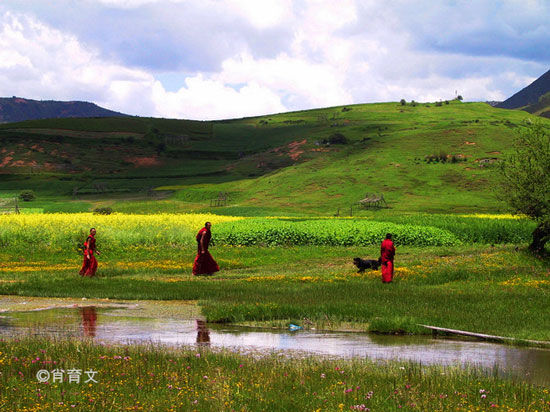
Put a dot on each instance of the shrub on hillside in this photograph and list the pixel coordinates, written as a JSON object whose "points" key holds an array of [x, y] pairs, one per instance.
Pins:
{"points": [[27, 195], [103, 211], [443, 157], [335, 138]]}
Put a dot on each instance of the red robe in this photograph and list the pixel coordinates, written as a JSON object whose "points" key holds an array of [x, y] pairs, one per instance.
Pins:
{"points": [[204, 262], [89, 266], [387, 252]]}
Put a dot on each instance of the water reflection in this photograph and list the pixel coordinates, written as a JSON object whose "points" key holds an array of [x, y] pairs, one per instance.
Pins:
{"points": [[203, 335], [89, 318], [118, 325]]}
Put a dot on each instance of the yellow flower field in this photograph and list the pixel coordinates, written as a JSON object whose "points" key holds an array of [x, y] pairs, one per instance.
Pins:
{"points": [[66, 230]]}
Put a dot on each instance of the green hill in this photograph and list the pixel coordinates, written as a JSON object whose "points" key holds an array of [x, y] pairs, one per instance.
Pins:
{"points": [[434, 157], [541, 108]]}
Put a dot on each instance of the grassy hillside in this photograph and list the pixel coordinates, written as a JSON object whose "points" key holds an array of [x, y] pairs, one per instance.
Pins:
{"points": [[541, 108], [428, 157]]}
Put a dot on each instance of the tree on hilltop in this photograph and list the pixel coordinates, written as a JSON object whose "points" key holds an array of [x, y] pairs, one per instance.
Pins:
{"points": [[525, 182]]}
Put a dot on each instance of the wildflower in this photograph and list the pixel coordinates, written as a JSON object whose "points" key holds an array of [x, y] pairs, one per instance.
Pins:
{"points": [[198, 355], [323, 376]]}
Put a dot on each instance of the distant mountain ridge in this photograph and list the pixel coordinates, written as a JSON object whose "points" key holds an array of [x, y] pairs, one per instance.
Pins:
{"points": [[530, 96], [17, 109]]}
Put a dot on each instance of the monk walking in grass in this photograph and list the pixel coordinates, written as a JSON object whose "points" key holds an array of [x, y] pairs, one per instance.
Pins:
{"points": [[204, 262], [387, 252], [89, 266]]}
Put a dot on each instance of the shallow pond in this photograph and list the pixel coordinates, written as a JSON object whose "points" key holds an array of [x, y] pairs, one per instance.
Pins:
{"points": [[118, 325]]}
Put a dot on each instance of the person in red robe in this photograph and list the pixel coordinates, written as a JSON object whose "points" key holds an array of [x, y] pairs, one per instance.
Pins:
{"points": [[204, 262], [89, 265], [387, 252]]}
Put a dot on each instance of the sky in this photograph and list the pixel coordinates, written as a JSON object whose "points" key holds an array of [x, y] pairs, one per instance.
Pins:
{"points": [[219, 59]]}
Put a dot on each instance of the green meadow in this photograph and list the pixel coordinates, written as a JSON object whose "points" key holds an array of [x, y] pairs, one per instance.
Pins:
{"points": [[287, 270], [153, 378], [285, 239]]}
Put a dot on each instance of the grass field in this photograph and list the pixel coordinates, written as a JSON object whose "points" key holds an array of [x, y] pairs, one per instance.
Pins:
{"points": [[186, 380], [467, 284], [285, 242]]}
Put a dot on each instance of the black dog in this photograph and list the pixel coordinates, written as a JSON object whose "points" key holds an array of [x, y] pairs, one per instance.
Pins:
{"points": [[363, 264]]}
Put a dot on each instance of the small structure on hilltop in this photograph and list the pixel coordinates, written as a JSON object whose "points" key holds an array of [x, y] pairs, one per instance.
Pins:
{"points": [[373, 200], [221, 200]]}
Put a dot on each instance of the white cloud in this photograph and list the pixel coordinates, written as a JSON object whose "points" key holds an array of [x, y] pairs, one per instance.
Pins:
{"points": [[302, 83], [128, 4], [262, 14], [57, 66], [205, 99], [267, 56]]}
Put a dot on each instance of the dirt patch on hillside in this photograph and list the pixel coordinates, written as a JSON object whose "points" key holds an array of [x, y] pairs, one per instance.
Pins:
{"points": [[295, 149], [6, 161], [22, 163], [143, 161]]}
